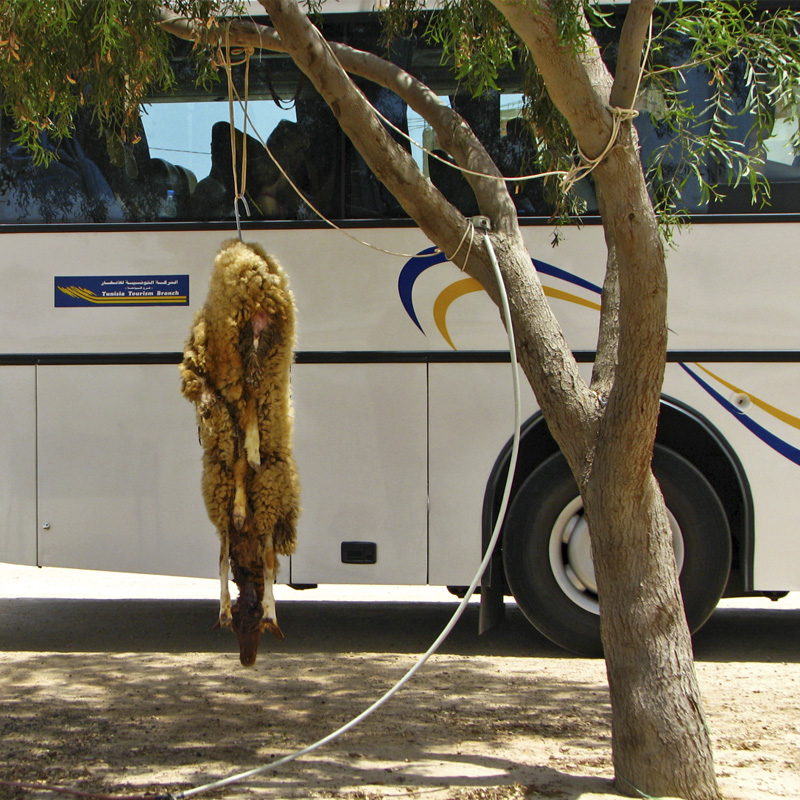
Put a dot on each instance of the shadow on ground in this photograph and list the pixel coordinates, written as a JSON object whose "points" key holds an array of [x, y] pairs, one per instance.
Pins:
{"points": [[750, 634], [109, 694], [181, 626], [106, 721]]}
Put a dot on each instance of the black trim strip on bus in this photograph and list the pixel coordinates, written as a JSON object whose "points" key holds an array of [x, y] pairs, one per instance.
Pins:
{"points": [[300, 225], [392, 357]]}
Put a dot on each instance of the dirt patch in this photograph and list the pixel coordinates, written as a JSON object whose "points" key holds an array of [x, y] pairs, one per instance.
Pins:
{"points": [[165, 705]]}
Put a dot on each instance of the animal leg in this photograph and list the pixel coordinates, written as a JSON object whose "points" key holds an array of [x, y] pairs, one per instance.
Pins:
{"points": [[239, 495], [269, 621], [252, 441], [225, 615]]}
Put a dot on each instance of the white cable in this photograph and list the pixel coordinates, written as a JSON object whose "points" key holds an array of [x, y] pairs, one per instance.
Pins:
{"points": [[465, 600]]}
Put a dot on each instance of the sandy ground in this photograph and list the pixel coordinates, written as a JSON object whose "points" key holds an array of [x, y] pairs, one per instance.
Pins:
{"points": [[118, 684]]}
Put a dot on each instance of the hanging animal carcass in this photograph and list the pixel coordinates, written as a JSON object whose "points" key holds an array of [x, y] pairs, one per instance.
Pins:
{"points": [[235, 370]]}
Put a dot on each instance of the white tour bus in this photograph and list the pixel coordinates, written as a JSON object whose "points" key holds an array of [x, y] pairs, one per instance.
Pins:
{"points": [[403, 406]]}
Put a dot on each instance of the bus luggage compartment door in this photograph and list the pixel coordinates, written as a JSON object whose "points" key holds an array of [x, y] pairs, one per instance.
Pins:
{"points": [[119, 472], [18, 457], [361, 450]]}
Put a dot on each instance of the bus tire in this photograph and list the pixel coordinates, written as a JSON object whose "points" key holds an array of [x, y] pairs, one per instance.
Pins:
{"points": [[539, 564]]}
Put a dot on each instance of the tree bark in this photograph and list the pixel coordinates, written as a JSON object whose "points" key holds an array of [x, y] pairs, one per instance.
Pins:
{"points": [[660, 739]]}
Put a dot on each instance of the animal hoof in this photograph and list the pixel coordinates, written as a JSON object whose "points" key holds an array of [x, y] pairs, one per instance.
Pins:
{"points": [[248, 659], [238, 519], [224, 621], [248, 646], [272, 626]]}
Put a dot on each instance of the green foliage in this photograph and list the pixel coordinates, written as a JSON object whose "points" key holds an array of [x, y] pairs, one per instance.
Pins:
{"points": [[478, 44], [751, 62], [555, 144], [741, 51], [58, 56]]}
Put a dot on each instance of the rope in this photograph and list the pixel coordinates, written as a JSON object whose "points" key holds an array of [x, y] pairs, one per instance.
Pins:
{"points": [[233, 92], [305, 199], [619, 116], [227, 63], [470, 229], [586, 165], [464, 170], [582, 169], [430, 153]]}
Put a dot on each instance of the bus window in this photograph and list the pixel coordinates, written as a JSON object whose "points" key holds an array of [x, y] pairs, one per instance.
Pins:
{"points": [[196, 137], [508, 136], [73, 188], [661, 144], [180, 166]]}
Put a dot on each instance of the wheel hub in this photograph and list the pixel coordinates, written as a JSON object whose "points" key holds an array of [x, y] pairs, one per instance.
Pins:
{"points": [[571, 555]]}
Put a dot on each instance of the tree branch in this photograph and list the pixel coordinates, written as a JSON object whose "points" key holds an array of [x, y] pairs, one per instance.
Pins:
{"points": [[623, 95], [605, 363], [238, 33], [576, 78], [453, 134], [632, 40]]}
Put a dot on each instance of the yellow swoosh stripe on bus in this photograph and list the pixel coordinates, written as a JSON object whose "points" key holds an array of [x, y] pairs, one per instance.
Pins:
{"points": [[570, 298], [789, 419], [468, 285], [445, 299], [90, 297]]}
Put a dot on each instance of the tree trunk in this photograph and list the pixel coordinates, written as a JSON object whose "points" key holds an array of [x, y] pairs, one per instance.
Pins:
{"points": [[661, 745], [660, 740]]}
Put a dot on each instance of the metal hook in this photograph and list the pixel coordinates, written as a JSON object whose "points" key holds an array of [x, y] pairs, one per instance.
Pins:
{"points": [[236, 213]]}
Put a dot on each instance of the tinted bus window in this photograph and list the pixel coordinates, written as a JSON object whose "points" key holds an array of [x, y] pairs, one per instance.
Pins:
{"points": [[182, 168]]}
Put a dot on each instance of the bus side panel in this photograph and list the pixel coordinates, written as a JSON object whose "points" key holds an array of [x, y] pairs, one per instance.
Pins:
{"points": [[119, 472], [361, 451], [34, 322], [347, 295], [755, 407], [471, 418], [732, 287], [18, 459]]}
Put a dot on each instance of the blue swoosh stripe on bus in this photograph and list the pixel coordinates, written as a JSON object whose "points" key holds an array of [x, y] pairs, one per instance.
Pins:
{"points": [[555, 272], [431, 256], [412, 269], [770, 439]]}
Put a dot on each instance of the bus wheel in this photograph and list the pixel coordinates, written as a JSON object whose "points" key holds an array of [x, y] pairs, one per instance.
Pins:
{"points": [[548, 561]]}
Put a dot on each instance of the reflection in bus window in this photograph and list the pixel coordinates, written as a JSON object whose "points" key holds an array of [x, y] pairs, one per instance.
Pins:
{"points": [[197, 136], [182, 165], [659, 140], [72, 188]]}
